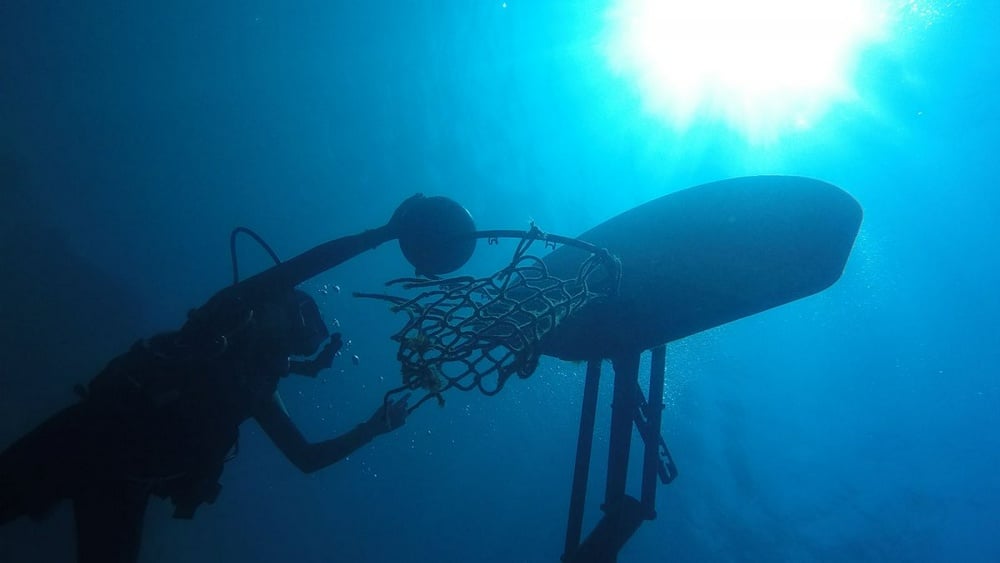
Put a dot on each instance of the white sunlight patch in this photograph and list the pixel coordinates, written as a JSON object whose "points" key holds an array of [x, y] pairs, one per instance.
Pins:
{"points": [[764, 67]]}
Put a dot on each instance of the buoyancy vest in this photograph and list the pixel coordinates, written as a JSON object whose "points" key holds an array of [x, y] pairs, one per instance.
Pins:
{"points": [[183, 402]]}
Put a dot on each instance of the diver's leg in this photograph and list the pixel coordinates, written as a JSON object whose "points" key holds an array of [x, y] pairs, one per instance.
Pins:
{"points": [[109, 522], [45, 465]]}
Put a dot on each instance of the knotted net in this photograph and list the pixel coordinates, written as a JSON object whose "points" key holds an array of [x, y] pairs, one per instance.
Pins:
{"points": [[475, 333]]}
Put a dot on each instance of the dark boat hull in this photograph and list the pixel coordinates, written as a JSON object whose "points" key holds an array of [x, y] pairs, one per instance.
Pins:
{"points": [[705, 256]]}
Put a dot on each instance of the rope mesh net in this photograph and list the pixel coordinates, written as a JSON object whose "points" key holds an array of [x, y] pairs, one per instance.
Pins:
{"points": [[475, 333]]}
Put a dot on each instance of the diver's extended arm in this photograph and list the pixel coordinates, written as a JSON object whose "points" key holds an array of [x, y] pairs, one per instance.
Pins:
{"points": [[310, 457], [330, 254], [311, 263]]}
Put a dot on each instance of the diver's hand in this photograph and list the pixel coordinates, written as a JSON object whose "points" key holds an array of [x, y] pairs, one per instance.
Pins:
{"points": [[322, 361], [388, 417], [325, 357]]}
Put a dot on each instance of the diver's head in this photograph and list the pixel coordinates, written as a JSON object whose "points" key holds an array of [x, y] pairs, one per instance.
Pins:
{"points": [[292, 323]]}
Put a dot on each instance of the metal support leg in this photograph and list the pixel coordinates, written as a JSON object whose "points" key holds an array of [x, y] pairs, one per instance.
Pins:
{"points": [[623, 407], [584, 445], [651, 459], [622, 514]]}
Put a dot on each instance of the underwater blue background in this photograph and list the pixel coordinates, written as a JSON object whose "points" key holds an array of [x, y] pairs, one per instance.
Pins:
{"points": [[859, 424]]}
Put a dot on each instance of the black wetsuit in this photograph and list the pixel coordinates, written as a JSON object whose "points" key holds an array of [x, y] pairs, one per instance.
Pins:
{"points": [[151, 423], [162, 418]]}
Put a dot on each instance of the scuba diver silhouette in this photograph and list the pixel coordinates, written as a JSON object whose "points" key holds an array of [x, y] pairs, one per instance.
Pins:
{"points": [[162, 419]]}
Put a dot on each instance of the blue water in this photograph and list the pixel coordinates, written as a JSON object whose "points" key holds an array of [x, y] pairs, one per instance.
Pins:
{"points": [[859, 424]]}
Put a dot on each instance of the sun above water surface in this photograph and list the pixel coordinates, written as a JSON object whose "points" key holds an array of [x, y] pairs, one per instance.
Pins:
{"points": [[763, 67]]}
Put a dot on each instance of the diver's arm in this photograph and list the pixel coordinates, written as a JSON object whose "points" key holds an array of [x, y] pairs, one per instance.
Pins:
{"points": [[234, 304], [231, 305], [310, 457], [311, 263]]}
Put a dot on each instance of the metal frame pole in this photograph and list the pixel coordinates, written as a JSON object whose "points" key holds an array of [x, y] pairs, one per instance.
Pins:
{"points": [[584, 446]]}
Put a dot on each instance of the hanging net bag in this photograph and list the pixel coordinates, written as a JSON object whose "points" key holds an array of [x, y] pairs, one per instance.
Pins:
{"points": [[475, 333]]}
